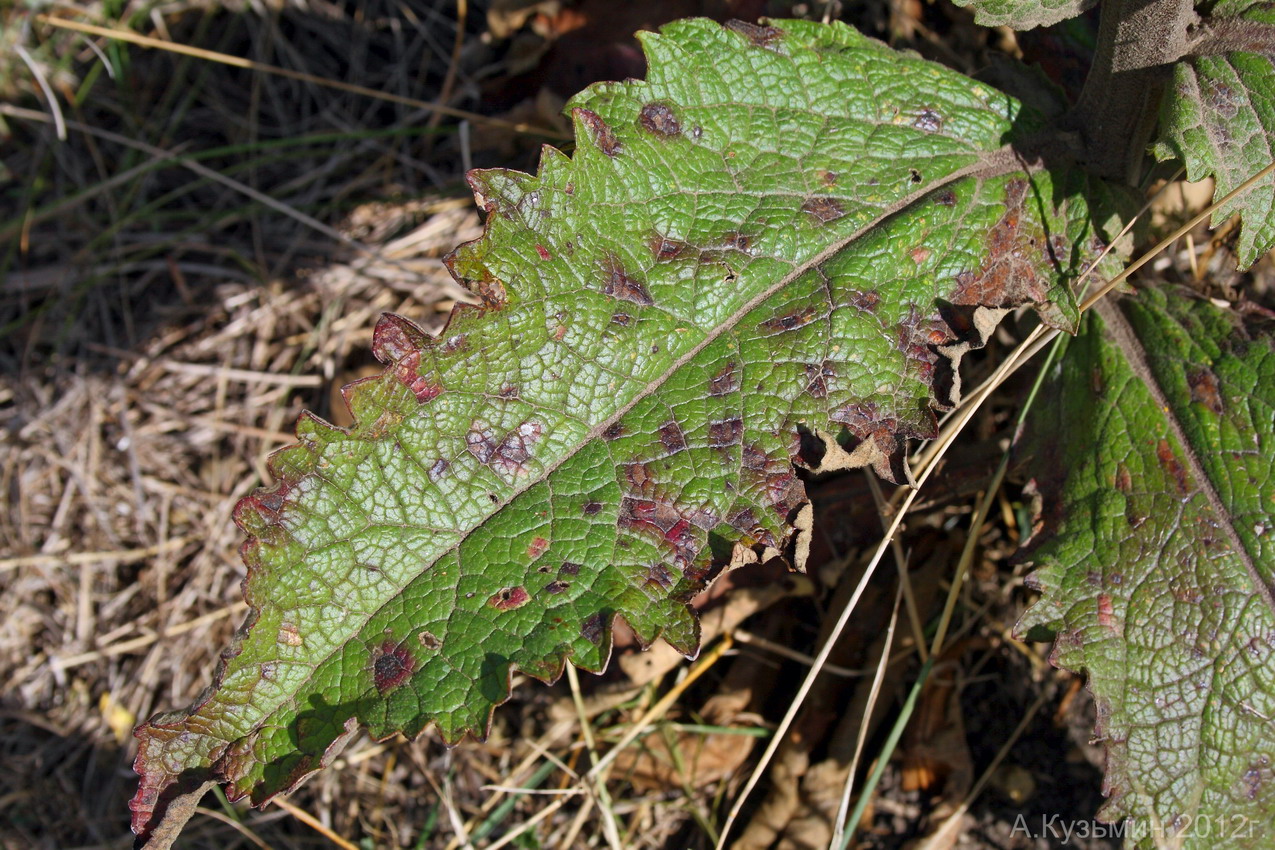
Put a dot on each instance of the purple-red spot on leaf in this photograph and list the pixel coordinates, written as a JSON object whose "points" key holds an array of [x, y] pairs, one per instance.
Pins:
{"points": [[817, 376], [774, 480], [407, 373], [658, 118], [945, 198], [569, 568], [928, 121], [823, 209], [511, 454], [725, 432], [658, 576], [671, 437], [395, 338], [556, 587], [438, 469], [666, 249], [603, 136], [618, 284], [392, 665], [509, 598], [481, 441], [537, 548], [543, 253], [658, 517], [591, 508], [592, 628]]}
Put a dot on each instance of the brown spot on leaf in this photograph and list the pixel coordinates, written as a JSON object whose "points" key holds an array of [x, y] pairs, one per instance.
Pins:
{"points": [[1204, 389], [657, 516], [514, 451], [659, 119], [914, 175], [760, 36], [392, 665], [537, 547], [491, 293], [671, 436], [638, 475], [725, 381], [745, 522], [1170, 463], [823, 209], [928, 121], [289, 635], [773, 480], [614, 431], [916, 337], [509, 391], [865, 301], [569, 569], [429, 641], [666, 249], [481, 441], [827, 178], [602, 135], [592, 628], [592, 508], [509, 598], [946, 198], [1124, 481], [621, 319], [455, 343], [618, 284], [817, 375], [790, 321], [1018, 267], [725, 432], [556, 587]]}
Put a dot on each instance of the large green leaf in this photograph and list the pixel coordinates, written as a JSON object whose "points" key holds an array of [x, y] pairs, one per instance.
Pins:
{"points": [[788, 231], [1219, 119], [1157, 559]]}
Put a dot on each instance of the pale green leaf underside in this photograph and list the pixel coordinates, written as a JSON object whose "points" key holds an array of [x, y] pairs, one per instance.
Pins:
{"points": [[1219, 119], [1159, 591], [664, 312], [1025, 14]]}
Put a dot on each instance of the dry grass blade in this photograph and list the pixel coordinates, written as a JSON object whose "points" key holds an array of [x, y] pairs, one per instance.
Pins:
{"points": [[843, 810], [238, 62]]}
